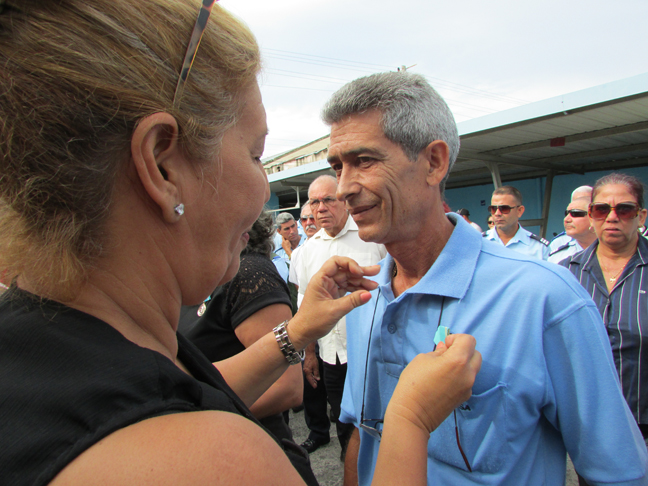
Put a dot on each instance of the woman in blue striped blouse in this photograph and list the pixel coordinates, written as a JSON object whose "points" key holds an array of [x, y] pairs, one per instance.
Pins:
{"points": [[614, 270]]}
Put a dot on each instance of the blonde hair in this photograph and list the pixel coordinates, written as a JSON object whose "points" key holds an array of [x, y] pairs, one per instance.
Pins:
{"points": [[76, 78]]}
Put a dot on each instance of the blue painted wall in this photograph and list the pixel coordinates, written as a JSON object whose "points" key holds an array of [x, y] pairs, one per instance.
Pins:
{"points": [[477, 198]]}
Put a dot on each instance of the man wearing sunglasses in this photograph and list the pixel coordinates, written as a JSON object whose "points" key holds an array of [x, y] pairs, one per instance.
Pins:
{"points": [[507, 209], [577, 228], [547, 384], [561, 238]]}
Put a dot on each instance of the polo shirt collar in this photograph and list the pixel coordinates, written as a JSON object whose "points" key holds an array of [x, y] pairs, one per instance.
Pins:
{"points": [[452, 272], [350, 225]]}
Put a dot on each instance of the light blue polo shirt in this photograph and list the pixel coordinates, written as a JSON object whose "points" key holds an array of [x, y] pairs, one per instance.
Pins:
{"points": [[547, 384], [522, 243]]}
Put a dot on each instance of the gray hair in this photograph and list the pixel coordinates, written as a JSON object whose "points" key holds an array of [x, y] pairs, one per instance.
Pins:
{"points": [[413, 113], [284, 218], [582, 189]]}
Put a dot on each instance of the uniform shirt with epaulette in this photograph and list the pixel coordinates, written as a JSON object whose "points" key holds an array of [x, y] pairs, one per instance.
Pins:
{"points": [[559, 240], [565, 250], [523, 242]]}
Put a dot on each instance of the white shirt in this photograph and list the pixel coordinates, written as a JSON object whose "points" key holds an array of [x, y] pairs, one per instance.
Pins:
{"points": [[294, 274], [476, 226], [312, 256]]}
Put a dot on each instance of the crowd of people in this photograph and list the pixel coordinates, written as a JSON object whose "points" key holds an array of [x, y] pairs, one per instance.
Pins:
{"points": [[132, 194]]}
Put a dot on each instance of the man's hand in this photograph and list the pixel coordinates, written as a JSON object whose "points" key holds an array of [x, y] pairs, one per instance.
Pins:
{"points": [[285, 244], [311, 366]]}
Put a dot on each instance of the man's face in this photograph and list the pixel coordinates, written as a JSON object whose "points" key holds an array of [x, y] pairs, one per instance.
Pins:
{"points": [[577, 226], [382, 188], [329, 213], [506, 222], [288, 232], [308, 221]]}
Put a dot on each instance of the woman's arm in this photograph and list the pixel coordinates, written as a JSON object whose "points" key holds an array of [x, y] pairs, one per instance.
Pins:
{"points": [[288, 390], [251, 372], [210, 448], [184, 449], [429, 388]]}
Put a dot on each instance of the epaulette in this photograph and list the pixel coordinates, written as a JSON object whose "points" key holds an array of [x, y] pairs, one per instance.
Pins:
{"points": [[560, 248], [538, 238]]}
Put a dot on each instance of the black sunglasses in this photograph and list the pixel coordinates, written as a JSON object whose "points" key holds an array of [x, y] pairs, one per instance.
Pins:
{"points": [[576, 213], [504, 209], [376, 432], [625, 211]]}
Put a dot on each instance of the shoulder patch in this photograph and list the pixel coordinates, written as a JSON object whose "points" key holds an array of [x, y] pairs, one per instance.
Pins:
{"points": [[537, 238]]}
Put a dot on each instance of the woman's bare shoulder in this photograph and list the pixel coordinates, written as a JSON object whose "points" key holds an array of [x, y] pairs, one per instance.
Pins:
{"points": [[196, 448]]}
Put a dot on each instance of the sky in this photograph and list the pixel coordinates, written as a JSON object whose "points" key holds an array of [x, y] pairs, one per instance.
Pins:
{"points": [[482, 56]]}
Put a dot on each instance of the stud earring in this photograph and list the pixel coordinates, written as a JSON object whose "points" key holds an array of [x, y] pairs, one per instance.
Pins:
{"points": [[179, 209]]}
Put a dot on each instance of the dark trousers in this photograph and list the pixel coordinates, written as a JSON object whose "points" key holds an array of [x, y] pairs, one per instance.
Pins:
{"points": [[315, 413], [334, 376]]}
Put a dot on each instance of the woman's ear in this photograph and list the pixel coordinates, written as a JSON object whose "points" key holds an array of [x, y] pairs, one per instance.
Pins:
{"points": [[437, 157], [155, 152]]}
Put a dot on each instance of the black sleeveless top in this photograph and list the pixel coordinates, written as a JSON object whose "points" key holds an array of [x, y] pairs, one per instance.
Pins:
{"points": [[68, 379]]}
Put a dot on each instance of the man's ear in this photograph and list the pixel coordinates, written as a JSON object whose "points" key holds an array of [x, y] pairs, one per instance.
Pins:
{"points": [[155, 153], [437, 157], [520, 211]]}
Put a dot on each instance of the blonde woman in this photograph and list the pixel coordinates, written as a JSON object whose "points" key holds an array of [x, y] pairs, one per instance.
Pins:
{"points": [[130, 175]]}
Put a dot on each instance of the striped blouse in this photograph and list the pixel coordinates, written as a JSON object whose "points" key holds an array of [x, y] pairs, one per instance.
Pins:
{"points": [[625, 315]]}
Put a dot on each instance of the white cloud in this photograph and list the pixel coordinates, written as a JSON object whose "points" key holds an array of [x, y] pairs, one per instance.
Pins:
{"points": [[481, 56]]}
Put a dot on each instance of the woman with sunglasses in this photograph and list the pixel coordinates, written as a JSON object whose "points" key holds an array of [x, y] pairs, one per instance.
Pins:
{"points": [[577, 228], [489, 221], [129, 178], [614, 270]]}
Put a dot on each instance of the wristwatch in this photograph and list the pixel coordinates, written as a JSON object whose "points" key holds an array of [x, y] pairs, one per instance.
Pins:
{"points": [[285, 344]]}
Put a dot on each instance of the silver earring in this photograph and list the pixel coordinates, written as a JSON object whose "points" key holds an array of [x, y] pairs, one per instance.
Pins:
{"points": [[179, 209]]}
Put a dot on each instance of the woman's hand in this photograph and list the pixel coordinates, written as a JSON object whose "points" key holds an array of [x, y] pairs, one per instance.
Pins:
{"points": [[433, 384], [325, 301]]}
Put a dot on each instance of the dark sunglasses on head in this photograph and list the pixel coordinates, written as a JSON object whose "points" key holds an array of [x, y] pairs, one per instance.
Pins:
{"points": [[624, 211], [192, 47], [504, 209], [576, 213]]}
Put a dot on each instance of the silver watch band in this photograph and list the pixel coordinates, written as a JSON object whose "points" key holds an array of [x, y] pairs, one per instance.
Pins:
{"points": [[285, 344]]}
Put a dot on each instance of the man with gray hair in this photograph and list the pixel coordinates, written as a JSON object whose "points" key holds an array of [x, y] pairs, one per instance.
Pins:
{"points": [[547, 385], [290, 237], [338, 236]]}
